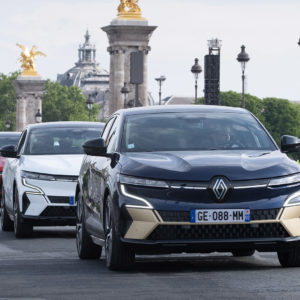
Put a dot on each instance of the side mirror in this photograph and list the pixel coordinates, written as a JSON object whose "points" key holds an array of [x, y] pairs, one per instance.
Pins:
{"points": [[95, 147], [290, 144], [9, 151]]}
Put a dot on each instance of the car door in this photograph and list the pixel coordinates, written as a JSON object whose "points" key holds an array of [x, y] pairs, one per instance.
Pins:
{"points": [[91, 190], [11, 171]]}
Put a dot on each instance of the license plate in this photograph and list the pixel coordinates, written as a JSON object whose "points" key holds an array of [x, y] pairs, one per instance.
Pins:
{"points": [[72, 200], [220, 215]]}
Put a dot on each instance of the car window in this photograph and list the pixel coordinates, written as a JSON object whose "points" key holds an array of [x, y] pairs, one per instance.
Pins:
{"points": [[21, 143], [54, 140], [7, 140], [112, 138], [194, 131], [107, 128]]}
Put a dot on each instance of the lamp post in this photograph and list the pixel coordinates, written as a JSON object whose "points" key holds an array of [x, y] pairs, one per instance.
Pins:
{"points": [[243, 58], [90, 101], [196, 70], [8, 124], [160, 81], [38, 116], [125, 91]]}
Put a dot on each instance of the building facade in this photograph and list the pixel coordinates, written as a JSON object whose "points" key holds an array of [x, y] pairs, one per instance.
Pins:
{"points": [[89, 76]]}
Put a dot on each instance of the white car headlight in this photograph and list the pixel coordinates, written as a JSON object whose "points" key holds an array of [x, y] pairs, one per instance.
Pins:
{"points": [[142, 181], [37, 176], [292, 200], [292, 179]]}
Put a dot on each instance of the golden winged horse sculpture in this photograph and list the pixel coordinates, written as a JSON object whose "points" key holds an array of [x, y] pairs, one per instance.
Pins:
{"points": [[129, 9], [27, 59]]}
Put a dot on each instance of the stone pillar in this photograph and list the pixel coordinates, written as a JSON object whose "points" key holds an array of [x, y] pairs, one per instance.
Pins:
{"points": [[126, 36], [29, 91]]}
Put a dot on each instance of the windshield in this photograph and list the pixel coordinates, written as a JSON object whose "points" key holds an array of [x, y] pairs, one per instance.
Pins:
{"points": [[51, 141], [194, 131], [9, 140]]}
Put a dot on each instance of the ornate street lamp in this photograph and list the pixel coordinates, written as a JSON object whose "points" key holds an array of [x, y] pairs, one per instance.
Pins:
{"points": [[90, 102], [243, 58], [8, 124], [160, 81], [38, 116], [125, 91], [196, 70]]}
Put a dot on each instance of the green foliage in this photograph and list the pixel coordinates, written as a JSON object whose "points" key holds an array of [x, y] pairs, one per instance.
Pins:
{"points": [[279, 116], [7, 101], [65, 104]]}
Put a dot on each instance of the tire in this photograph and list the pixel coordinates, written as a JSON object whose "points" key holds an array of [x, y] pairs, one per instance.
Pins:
{"points": [[118, 256], [289, 259], [86, 249], [242, 253], [6, 223], [21, 228]]}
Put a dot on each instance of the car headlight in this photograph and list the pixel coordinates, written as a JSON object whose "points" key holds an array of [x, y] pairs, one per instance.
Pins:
{"points": [[142, 181], [37, 176], [36, 190], [292, 200], [292, 179]]}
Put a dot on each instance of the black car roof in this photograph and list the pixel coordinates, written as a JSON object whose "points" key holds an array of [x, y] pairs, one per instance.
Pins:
{"points": [[181, 108], [66, 124]]}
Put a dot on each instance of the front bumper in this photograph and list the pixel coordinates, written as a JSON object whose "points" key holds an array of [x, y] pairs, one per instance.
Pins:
{"points": [[48, 202], [151, 231]]}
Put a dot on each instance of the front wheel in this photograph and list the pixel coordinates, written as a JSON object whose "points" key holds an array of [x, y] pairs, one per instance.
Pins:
{"points": [[6, 222], [118, 256], [86, 249], [21, 228], [289, 258]]}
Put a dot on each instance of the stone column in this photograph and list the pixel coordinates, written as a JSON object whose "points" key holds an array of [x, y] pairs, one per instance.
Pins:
{"points": [[29, 91], [126, 36]]}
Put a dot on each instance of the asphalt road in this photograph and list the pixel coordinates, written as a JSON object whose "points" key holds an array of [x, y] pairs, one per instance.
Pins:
{"points": [[47, 267]]}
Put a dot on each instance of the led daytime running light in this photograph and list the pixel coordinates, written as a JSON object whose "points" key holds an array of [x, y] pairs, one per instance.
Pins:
{"points": [[38, 190], [125, 193], [293, 200]]}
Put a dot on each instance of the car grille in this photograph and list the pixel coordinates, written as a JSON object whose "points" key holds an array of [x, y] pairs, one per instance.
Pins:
{"points": [[59, 211], [184, 216], [216, 232], [59, 199]]}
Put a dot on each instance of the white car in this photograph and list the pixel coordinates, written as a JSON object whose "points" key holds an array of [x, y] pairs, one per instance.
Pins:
{"points": [[40, 176]]}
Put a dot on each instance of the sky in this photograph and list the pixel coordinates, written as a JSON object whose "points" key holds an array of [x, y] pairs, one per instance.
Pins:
{"points": [[270, 30]]}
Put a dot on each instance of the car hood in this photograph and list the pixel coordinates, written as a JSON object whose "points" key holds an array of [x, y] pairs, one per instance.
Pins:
{"points": [[52, 164], [202, 166]]}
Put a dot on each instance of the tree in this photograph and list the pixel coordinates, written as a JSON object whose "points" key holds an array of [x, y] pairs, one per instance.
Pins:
{"points": [[281, 117], [65, 104], [7, 100]]}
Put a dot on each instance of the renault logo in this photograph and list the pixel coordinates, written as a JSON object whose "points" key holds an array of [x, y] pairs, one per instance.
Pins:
{"points": [[220, 188]]}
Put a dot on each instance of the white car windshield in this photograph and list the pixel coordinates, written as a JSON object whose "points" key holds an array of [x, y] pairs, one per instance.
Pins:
{"points": [[51, 141], [194, 131]]}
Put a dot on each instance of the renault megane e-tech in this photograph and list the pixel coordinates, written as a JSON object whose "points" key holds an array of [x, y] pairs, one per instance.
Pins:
{"points": [[39, 178], [187, 179]]}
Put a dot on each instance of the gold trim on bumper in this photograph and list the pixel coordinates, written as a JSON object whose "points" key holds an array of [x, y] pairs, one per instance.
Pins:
{"points": [[146, 220]]}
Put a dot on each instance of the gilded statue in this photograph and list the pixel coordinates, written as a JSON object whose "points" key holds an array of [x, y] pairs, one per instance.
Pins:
{"points": [[129, 9], [27, 59]]}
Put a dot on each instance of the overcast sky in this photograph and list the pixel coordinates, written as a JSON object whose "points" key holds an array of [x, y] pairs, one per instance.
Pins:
{"points": [[269, 29]]}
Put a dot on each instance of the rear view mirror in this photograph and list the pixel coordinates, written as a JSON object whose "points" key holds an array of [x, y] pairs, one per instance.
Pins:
{"points": [[96, 147], [290, 144], [9, 151]]}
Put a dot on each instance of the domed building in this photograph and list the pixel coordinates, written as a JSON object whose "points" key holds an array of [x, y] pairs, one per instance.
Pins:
{"points": [[88, 76]]}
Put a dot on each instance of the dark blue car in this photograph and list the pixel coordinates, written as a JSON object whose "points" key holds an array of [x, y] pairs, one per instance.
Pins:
{"points": [[187, 179]]}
